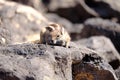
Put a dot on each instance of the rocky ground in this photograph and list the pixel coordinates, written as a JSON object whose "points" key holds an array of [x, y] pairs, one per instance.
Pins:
{"points": [[94, 52]]}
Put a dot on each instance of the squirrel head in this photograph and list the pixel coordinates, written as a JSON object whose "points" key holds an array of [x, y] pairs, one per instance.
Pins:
{"points": [[55, 33]]}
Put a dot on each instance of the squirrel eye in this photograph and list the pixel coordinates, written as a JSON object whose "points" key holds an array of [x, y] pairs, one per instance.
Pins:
{"points": [[58, 36], [49, 28]]}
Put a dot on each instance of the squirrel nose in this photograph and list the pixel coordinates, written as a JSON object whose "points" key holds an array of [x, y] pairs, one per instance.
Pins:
{"points": [[53, 41]]}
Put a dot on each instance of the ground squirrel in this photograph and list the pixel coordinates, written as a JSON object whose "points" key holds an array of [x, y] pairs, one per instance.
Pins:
{"points": [[54, 34]]}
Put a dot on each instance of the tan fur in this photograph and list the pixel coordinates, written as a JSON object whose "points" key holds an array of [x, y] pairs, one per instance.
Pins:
{"points": [[54, 34]]}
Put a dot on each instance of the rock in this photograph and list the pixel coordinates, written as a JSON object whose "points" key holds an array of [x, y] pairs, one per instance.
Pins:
{"points": [[45, 62], [19, 23], [79, 10], [73, 10], [33, 3], [105, 8], [98, 26], [103, 24], [101, 44], [77, 29], [52, 5], [83, 71], [34, 62]]}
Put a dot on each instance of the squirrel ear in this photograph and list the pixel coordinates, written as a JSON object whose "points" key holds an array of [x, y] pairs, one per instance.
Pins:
{"points": [[54, 24], [50, 28], [62, 30]]}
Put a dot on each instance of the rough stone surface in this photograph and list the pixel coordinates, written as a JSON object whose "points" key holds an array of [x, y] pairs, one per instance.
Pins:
{"points": [[5, 36], [45, 62], [34, 62]]}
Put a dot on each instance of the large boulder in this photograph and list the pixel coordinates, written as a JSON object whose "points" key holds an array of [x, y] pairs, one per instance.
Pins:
{"points": [[45, 62], [19, 23], [34, 62], [104, 47]]}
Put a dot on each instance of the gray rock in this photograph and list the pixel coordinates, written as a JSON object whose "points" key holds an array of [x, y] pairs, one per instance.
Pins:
{"points": [[36, 62], [73, 10], [45, 62], [33, 3], [98, 26], [55, 4], [104, 47], [77, 10], [80, 10], [5, 36], [105, 8]]}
